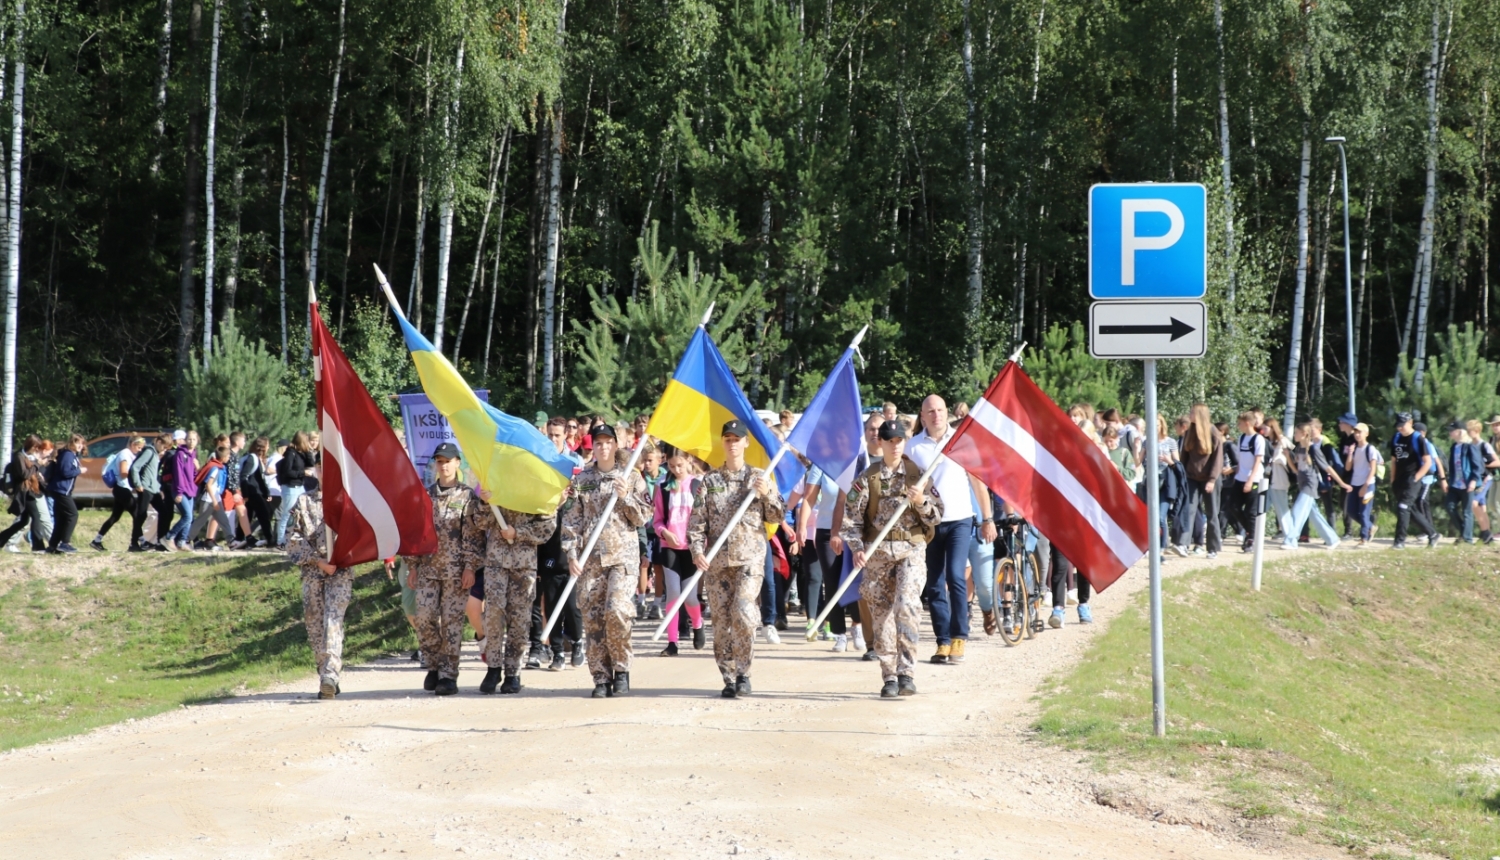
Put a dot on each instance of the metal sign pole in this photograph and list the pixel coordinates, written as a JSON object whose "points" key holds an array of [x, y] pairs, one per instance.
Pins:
{"points": [[1153, 512]]}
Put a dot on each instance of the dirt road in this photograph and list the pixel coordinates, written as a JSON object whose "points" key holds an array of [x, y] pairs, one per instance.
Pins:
{"points": [[814, 765]]}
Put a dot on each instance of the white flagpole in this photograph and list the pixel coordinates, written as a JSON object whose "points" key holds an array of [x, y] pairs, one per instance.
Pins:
{"points": [[739, 514], [588, 548]]}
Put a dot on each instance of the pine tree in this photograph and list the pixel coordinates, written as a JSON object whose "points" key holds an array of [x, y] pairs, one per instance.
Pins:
{"points": [[245, 387]]}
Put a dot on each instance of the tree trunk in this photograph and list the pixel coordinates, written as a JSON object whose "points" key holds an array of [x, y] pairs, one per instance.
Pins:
{"points": [[232, 271], [209, 246], [348, 249], [484, 226], [1364, 264], [489, 329], [975, 203], [13, 230], [1484, 219], [549, 268], [757, 360], [1429, 201], [163, 76], [286, 162], [414, 295], [1320, 292], [322, 199], [189, 234], [445, 206], [1224, 155], [534, 220], [1294, 364]]}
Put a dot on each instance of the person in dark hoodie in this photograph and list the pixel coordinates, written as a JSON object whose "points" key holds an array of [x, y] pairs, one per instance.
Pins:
{"points": [[61, 476], [22, 476]]}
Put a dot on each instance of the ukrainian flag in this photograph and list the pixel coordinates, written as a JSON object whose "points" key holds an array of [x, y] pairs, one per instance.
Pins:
{"points": [[510, 457], [701, 397]]}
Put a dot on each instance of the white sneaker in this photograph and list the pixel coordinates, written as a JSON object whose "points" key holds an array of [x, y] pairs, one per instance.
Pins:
{"points": [[859, 639], [840, 643], [771, 635]]}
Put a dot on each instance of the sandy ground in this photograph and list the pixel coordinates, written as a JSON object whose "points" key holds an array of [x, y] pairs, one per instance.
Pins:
{"points": [[813, 765]]}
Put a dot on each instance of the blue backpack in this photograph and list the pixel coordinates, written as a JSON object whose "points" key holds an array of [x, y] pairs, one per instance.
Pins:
{"points": [[112, 471]]}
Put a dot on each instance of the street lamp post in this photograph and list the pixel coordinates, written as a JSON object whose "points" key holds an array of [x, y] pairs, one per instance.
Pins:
{"points": [[1348, 272]]}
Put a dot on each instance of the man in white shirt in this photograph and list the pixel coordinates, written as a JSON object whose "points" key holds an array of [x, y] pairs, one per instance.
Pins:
{"points": [[947, 592]]}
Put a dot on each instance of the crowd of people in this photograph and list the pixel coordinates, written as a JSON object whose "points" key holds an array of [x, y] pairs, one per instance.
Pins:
{"points": [[178, 496], [503, 572]]}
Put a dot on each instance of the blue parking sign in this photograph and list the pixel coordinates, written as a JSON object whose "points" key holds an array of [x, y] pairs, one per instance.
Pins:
{"points": [[1148, 241]]}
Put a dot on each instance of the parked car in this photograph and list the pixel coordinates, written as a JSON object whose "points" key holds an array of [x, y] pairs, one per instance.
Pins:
{"points": [[89, 488]]}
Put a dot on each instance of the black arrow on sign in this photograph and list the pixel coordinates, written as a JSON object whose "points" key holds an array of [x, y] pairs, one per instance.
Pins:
{"points": [[1177, 329]]}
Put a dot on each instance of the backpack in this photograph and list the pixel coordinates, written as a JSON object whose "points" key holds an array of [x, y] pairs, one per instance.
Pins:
{"points": [[872, 502], [112, 471]]}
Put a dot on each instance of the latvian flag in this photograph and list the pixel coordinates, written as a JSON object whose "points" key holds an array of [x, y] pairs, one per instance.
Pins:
{"points": [[1022, 446]]}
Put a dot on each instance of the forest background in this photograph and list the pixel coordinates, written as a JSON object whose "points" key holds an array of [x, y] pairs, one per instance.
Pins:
{"points": [[559, 188]]}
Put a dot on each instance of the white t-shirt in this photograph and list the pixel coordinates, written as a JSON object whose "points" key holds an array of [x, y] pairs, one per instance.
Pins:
{"points": [[122, 468], [949, 479], [1250, 446], [1366, 458], [273, 485]]}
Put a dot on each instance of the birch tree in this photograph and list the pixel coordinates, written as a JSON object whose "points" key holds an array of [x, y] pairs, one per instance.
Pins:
{"points": [[208, 188], [13, 232], [163, 76], [1429, 199], [1224, 153], [286, 165], [449, 162], [322, 200], [188, 243], [975, 205]]}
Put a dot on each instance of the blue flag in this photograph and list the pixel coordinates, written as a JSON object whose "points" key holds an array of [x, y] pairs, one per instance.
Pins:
{"points": [[831, 432]]}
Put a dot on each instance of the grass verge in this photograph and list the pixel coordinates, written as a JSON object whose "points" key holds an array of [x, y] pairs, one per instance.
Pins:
{"points": [[91, 640], [1355, 697]]}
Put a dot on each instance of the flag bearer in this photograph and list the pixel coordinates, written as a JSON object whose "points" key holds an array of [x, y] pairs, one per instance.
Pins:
{"points": [[508, 555], [895, 574], [733, 580], [326, 590], [607, 582], [442, 580]]}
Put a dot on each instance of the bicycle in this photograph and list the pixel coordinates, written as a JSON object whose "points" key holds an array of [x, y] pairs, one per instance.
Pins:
{"points": [[1018, 585]]}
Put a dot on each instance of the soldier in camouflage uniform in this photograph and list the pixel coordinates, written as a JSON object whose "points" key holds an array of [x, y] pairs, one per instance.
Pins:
{"points": [[508, 556], [607, 582], [326, 590], [733, 579], [894, 576], [442, 580]]}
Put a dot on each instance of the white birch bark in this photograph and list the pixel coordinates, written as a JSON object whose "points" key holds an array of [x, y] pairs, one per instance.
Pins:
{"points": [[1429, 201], [232, 271], [286, 162], [445, 204], [322, 200], [209, 246], [1224, 154], [549, 269], [13, 231], [1294, 365], [976, 192], [489, 329], [163, 77], [484, 226]]}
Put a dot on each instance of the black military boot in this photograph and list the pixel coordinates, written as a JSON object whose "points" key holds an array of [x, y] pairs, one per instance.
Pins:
{"points": [[622, 683], [729, 691], [430, 682], [907, 686], [601, 690], [742, 685], [889, 691], [512, 683], [491, 680], [446, 687]]}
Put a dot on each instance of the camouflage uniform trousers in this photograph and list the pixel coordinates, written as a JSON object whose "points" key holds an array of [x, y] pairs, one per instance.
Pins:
{"points": [[508, 595], [440, 623], [324, 599], [733, 593], [893, 587], [605, 597]]}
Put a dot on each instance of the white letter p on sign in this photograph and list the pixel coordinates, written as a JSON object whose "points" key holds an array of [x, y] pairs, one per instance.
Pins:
{"points": [[1130, 242]]}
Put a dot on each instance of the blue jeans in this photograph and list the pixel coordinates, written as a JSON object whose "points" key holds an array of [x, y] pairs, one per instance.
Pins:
{"points": [[289, 497], [768, 601], [982, 571], [947, 593], [1361, 511], [184, 523], [1304, 509], [1461, 511]]}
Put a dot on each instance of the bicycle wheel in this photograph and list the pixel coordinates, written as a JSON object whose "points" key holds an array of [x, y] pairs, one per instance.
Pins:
{"points": [[1034, 586], [1010, 594]]}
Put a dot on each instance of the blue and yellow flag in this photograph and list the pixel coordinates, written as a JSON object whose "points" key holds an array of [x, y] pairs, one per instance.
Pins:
{"points": [[510, 457], [701, 397]]}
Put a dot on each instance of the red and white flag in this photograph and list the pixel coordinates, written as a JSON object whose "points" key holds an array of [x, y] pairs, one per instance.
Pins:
{"points": [[373, 500], [1026, 449]]}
